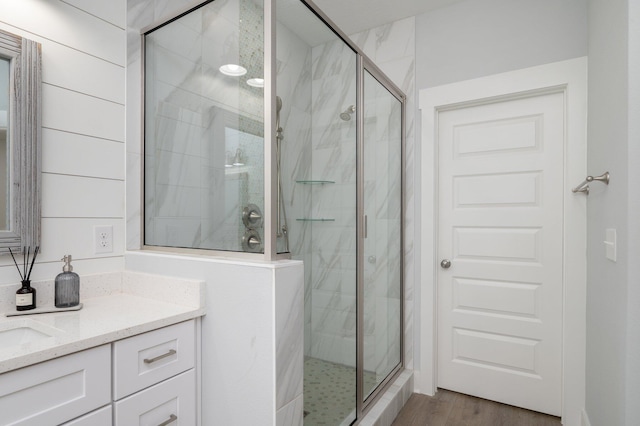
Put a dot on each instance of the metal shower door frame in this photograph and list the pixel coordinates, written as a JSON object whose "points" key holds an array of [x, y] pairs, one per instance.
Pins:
{"points": [[366, 65]]}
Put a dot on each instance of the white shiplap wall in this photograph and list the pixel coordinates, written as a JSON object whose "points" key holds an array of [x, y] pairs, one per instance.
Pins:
{"points": [[83, 120]]}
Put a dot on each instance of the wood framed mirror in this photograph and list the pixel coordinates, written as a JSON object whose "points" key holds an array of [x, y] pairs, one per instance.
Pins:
{"points": [[20, 141]]}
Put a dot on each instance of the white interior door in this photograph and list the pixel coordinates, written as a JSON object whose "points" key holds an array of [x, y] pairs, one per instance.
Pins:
{"points": [[500, 225]]}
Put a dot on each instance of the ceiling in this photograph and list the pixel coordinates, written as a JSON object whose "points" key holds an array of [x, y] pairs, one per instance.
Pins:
{"points": [[353, 16]]}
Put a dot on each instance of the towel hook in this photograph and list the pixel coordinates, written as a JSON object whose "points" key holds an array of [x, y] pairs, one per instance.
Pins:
{"points": [[584, 186]]}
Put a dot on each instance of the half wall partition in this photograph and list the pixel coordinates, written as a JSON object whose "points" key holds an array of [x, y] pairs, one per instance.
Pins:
{"points": [[268, 134]]}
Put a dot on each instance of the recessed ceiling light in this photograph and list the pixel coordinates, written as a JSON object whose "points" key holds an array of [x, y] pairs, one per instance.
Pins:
{"points": [[233, 70], [256, 82]]}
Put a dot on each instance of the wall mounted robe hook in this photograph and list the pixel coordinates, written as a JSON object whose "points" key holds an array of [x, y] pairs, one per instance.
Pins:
{"points": [[584, 186]]}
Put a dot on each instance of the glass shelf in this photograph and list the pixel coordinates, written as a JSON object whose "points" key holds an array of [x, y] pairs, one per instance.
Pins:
{"points": [[315, 220], [314, 182]]}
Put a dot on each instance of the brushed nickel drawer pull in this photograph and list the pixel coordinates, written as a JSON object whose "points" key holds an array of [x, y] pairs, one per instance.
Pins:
{"points": [[171, 419], [159, 357]]}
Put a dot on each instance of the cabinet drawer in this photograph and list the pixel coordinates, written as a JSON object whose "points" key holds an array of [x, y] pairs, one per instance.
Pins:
{"points": [[55, 391], [101, 417], [170, 403], [147, 359]]}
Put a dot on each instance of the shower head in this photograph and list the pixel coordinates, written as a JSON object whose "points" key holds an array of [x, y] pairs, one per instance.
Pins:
{"points": [[278, 103], [346, 115]]}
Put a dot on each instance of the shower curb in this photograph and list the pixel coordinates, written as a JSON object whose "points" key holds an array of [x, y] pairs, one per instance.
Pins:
{"points": [[387, 408]]}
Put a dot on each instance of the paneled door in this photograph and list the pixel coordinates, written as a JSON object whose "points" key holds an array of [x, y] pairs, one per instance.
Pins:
{"points": [[500, 247]]}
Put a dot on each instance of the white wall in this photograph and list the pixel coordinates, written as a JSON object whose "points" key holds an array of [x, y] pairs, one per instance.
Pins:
{"points": [[478, 38], [613, 323], [84, 52]]}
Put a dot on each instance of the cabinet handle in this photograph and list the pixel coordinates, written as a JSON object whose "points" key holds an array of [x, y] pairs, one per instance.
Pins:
{"points": [[170, 420], [159, 357]]}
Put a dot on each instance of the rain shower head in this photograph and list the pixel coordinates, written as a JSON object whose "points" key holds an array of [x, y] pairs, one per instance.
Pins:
{"points": [[346, 115]]}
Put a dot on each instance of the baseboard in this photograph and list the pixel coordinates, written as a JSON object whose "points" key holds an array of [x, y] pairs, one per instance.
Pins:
{"points": [[585, 419]]}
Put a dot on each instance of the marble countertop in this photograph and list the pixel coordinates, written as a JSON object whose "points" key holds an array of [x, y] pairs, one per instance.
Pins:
{"points": [[125, 310]]}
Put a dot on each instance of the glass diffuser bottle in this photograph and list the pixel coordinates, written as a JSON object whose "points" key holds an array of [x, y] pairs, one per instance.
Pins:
{"points": [[26, 297], [67, 286]]}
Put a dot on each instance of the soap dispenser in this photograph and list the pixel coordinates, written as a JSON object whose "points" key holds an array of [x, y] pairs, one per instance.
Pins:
{"points": [[67, 286]]}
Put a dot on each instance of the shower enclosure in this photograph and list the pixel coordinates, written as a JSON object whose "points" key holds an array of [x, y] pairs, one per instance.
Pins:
{"points": [[268, 135]]}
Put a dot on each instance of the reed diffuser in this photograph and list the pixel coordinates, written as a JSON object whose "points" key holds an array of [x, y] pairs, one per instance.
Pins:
{"points": [[26, 295]]}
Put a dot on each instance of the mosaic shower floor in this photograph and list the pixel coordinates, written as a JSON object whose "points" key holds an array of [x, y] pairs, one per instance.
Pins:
{"points": [[330, 392]]}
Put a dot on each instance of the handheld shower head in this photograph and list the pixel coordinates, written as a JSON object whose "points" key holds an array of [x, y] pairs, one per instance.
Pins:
{"points": [[346, 115], [279, 135]]}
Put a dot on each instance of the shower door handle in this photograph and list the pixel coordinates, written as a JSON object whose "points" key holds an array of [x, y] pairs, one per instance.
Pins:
{"points": [[364, 226]]}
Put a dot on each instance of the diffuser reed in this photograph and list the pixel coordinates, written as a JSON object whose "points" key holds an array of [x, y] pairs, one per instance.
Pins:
{"points": [[26, 295]]}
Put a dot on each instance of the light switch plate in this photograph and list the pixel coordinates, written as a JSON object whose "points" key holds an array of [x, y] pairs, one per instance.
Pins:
{"points": [[610, 245]]}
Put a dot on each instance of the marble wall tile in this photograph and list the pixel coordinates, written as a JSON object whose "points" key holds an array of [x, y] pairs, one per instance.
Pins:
{"points": [[292, 414], [332, 88], [294, 88], [289, 329], [334, 243]]}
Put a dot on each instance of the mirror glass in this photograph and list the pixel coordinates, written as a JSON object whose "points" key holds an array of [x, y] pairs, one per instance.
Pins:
{"points": [[4, 157]]}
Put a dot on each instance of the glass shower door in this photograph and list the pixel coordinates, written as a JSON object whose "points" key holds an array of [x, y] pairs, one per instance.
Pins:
{"points": [[382, 168]]}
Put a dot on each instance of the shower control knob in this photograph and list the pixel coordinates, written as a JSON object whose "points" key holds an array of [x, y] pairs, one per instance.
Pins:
{"points": [[253, 242], [252, 216], [446, 263]]}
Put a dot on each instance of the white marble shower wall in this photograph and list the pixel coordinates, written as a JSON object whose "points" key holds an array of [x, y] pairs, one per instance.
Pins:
{"points": [[392, 48], [193, 194], [334, 259], [294, 88]]}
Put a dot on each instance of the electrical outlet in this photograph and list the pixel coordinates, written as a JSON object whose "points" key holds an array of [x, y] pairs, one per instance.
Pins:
{"points": [[103, 238]]}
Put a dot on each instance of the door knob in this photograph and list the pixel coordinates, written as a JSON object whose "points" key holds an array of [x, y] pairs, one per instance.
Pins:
{"points": [[446, 263]]}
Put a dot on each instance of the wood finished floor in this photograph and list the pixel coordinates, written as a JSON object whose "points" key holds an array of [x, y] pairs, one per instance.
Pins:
{"points": [[448, 408]]}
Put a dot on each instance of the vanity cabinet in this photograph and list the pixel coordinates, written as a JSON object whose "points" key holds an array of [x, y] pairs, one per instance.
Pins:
{"points": [[153, 376], [55, 391]]}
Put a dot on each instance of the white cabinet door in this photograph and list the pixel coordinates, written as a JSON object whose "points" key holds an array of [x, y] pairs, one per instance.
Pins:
{"points": [[53, 392], [101, 417], [170, 403]]}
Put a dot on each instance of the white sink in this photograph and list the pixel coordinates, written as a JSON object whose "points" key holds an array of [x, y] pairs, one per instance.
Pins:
{"points": [[20, 335], [19, 332]]}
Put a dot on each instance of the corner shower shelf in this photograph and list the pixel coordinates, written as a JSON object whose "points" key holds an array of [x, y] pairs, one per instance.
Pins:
{"points": [[315, 220], [314, 182]]}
